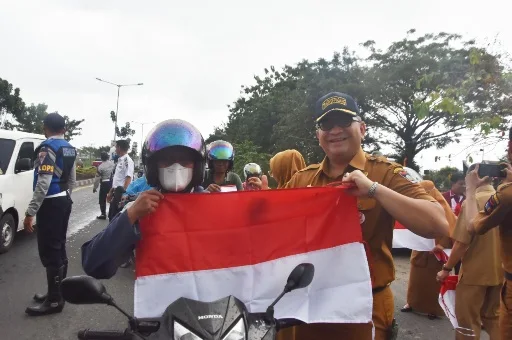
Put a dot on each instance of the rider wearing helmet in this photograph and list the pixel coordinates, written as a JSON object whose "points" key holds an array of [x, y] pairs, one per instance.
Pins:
{"points": [[221, 156], [173, 156], [253, 177]]}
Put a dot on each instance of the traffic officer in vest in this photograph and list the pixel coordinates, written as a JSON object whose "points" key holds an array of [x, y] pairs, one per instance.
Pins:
{"points": [[497, 212], [54, 178], [385, 194]]}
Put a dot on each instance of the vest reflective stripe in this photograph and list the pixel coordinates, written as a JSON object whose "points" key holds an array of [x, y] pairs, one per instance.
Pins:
{"points": [[63, 163]]}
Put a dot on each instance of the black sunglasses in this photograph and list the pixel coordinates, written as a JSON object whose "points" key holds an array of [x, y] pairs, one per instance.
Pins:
{"points": [[343, 121]]}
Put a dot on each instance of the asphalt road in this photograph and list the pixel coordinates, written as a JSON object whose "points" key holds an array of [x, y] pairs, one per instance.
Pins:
{"points": [[21, 275]]}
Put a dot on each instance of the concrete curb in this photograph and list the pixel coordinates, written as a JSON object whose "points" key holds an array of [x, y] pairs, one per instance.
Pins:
{"points": [[84, 182]]}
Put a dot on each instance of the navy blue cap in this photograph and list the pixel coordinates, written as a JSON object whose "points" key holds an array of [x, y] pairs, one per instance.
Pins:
{"points": [[54, 122], [335, 102]]}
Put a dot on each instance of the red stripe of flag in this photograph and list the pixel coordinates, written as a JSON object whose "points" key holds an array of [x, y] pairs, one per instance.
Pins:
{"points": [[212, 231]]}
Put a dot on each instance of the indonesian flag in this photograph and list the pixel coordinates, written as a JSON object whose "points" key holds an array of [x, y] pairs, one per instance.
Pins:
{"points": [[447, 298], [245, 244], [404, 238]]}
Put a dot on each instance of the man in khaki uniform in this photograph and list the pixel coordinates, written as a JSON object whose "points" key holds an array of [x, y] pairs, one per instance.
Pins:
{"points": [[477, 298], [497, 212], [385, 194]]}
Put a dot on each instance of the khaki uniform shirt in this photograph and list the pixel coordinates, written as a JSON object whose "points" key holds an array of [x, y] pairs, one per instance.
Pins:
{"points": [[481, 264], [498, 211], [377, 224]]}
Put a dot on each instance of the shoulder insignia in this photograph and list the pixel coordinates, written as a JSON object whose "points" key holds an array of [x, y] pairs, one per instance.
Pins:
{"points": [[491, 204], [503, 186], [398, 170]]}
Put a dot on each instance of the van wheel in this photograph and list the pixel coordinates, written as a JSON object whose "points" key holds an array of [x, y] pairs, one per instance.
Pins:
{"points": [[7, 232]]}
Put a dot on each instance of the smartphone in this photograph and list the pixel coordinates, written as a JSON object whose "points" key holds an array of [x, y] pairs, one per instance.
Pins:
{"points": [[491, 170]]}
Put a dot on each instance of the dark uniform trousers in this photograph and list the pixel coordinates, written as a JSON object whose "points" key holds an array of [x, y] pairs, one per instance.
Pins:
{"points": [[114, 204], [506, 308], [104, 189], [52, 226]]}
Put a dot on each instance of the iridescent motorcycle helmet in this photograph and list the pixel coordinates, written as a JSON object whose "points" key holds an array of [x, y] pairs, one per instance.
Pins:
{"points": [[169, 133], [221, 151]]}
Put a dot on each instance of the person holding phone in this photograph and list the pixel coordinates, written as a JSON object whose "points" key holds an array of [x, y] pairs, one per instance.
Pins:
{"points": [[497, 211], [219, 177]]}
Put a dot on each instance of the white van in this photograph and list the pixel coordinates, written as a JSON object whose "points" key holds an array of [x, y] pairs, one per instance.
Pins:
{"points": [[16, 179]]}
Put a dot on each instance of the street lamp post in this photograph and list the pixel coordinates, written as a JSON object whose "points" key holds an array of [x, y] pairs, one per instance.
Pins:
{"points": [[117, 106], [142, 137]]}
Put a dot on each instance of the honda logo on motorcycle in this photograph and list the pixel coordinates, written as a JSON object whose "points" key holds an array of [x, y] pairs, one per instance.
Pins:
{"points": [[213, 316]]}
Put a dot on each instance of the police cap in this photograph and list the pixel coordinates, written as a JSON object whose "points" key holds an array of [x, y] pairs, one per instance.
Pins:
{"points": [[335, 102], [55, 122]]}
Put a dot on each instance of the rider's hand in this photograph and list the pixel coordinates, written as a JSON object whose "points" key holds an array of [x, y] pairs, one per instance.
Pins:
{"points": [[109, 197], [145, 204], [213, 188], [361, 183]]}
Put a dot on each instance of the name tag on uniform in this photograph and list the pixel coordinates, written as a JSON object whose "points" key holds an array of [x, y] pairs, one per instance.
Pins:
{"points": [[68, 152]]}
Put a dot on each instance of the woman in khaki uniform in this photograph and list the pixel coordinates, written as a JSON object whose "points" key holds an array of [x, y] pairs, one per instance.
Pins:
{"points": [[384, 192], [284, 165], [423, 289], [497, 212]]}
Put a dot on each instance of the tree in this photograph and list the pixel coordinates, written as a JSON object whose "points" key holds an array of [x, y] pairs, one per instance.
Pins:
{"points": [[424, 90], [441, 178], [277, 112], [247, 152], [10, 102], [125, 132], [31, 120]]}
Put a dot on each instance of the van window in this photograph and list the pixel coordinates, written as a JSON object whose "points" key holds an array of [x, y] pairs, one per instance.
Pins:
{"points": [[26, 151], [6, 149]]}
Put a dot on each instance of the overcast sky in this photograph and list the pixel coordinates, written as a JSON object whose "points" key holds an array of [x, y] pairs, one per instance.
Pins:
{"points": [[193, 57]]}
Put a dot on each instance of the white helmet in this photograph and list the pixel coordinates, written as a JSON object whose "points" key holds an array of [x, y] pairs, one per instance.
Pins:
{"points": [[252, 170]]}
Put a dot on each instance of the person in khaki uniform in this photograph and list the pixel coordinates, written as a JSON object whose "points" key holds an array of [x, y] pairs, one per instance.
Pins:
{"points": [[423, 288], [477, 300], [384, 194], [497, 211]]}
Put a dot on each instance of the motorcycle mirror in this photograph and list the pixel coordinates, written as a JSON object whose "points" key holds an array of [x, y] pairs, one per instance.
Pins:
{"points": [[82, 290], [300, 277]]}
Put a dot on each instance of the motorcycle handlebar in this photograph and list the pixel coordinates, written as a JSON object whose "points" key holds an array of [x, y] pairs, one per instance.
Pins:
{"points": [[87, 334]]}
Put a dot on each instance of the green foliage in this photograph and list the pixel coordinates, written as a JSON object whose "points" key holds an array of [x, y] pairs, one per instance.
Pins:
{"points": [[441, 177], [10, 100], [86, 172], [247, 152], [418, 93], [134, 151], [125, 132]]}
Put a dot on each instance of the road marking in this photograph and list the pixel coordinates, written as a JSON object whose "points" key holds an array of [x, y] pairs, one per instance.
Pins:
{"points": [[80, 188]]}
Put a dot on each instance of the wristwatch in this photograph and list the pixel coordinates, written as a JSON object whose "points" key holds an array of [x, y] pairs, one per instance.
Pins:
{"points": [[446, 269], [373, 188]]}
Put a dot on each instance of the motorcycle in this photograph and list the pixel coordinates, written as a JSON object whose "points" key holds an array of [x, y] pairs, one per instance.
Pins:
{"points": [[187, 319]]}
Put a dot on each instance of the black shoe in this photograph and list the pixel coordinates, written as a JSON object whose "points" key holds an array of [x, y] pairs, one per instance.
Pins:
{"points": [[406, 309], [54, 303], [41, 297], [101, 217]]}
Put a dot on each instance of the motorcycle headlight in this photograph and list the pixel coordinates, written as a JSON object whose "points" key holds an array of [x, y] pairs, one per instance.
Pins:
{"points": [[183, 333], [237, 332]]}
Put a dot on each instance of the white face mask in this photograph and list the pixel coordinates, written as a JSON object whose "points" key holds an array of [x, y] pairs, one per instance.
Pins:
{"points": [[175, 177]]}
